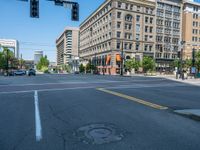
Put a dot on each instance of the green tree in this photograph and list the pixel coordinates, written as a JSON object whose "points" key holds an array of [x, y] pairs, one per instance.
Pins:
{"points": [[66, 68], [81, 68], [7, 55], [197, 60], [188, 63], [90, 67], [43, 64], [148, 64], [132, 63], [176, 63]]}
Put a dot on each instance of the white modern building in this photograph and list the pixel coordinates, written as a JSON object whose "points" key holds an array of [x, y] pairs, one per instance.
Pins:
{"points": [[37, 56], [67, 45], [10, 43]]}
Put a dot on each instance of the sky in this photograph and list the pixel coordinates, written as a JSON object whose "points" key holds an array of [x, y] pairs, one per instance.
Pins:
{"points": [[39, 34]]}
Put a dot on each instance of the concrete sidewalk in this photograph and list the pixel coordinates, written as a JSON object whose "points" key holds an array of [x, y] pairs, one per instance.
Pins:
{"points": [[192, 81]]}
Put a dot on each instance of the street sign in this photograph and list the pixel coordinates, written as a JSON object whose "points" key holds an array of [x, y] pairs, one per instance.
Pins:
{"points": [[193, 70]]}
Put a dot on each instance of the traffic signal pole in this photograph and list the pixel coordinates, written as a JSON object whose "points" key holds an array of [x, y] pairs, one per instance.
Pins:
{"points": [[34, 8], [122, 60]]}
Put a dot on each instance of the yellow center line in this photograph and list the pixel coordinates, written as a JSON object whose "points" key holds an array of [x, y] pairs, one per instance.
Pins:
{"points": [[146, 103]]}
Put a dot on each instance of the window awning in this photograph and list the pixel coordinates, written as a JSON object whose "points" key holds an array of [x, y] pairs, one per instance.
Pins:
{"points": [[118, 57], [108, 59]]}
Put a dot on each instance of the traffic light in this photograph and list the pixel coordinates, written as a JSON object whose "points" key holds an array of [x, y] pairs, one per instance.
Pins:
{"points": [[34, 8], [58, 3], [75, 12]]}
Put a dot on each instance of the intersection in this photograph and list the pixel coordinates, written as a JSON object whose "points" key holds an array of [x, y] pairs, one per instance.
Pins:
{"points": [[115, 113]]}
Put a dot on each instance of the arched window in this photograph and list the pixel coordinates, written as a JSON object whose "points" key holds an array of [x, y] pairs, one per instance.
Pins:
{"points": [[128, 57], [128, 18]]}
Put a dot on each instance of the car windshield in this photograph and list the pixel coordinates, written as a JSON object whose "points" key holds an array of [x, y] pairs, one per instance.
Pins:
{"points": [[99, 74]]}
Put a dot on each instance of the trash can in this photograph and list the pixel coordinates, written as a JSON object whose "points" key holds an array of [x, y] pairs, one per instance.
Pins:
{"points": [[198, 75]]}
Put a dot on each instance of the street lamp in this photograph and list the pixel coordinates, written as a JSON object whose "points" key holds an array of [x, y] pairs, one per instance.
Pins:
{"points": [[122, 59]]}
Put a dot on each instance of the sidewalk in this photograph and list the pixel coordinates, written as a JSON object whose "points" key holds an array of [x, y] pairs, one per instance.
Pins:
{"points": [[191, 81]]}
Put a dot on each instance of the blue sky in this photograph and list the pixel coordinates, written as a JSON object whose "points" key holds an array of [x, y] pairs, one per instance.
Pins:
{"points": [[39, 34]]}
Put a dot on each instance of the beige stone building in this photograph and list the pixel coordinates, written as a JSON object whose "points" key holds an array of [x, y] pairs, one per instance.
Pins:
{"points": [[117, 25], [191, 28], [67, 46], [168, 32]]}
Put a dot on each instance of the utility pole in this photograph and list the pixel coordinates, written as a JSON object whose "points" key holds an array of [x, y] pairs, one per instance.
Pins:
{"points": [[122, 60], [7, 64], [193, 69], [21, 62]]}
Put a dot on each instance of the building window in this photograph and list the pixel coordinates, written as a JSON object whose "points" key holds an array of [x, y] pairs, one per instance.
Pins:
{"points": [[128, 18], [146, 29], [137, 37], [137, 28], [119, 4], [146, 37], [118, 34], [146, 19], [119, 14], [151, 29], [145, 47], [130, 46], [118, 45], [137, 46], [138, 8], [131, 7], [150, 48], [138, 18], [127, 6], [125, 46], [151, 20], [118, 24]]}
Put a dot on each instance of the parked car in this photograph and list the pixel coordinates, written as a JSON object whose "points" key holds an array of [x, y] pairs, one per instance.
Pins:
{"points": [[19, 73], [31, 72], [76, 72]]}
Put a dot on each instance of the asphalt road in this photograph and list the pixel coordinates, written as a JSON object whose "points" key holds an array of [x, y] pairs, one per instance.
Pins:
{"points": [[88, 112]]}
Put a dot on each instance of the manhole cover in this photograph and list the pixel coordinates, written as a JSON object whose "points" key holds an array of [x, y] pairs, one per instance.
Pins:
{"points": [[99, 134]]}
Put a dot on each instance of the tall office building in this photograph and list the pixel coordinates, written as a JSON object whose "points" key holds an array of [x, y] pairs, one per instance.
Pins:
{"points": [[191, 27], [117, 25], [67, 46], [168, 31], [37, 56]]}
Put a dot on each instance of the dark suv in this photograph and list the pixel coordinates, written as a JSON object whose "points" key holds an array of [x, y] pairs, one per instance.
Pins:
{"points": [[31, 72]]}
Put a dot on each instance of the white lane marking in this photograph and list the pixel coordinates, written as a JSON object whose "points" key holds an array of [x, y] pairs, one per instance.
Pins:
{"points": [[48, 90], [38, 127]]}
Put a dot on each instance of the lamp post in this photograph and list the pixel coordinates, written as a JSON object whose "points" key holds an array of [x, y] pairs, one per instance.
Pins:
{"points": [[7, 64], [122, 60], [181, 60], [193, 70]]}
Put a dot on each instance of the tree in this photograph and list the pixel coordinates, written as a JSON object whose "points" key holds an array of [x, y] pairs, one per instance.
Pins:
{"points": [[132, 63], [188, 63], [67, 68], [176, 63], [90, 67], [43, 64], [148, 64], [197, 60], [7, 59], [81, 68]]}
